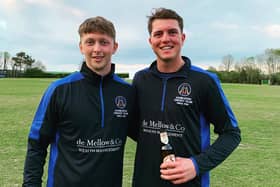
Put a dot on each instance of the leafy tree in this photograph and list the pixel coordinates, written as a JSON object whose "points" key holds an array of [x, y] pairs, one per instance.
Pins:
{"points": [[6, 57], [39, 65], [23, 61], [227, 62], [272, 60], [28, 61], [19, 60], [250, 73], [211, 69], [275, 79]]}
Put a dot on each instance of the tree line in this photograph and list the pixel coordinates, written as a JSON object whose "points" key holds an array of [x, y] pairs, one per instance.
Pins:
{"points": [[20, 65], [23, 65], [263, 68]]}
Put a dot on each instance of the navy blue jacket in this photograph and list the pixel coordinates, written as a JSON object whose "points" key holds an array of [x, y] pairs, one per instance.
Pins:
{"points": [[183, 103], [85, 118]]}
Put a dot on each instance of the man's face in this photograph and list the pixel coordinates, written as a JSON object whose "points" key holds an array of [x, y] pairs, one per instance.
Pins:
{"points": [[166, 39], [98, 49]]}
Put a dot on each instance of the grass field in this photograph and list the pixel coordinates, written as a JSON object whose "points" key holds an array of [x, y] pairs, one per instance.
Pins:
{"points": [[256, 162]]}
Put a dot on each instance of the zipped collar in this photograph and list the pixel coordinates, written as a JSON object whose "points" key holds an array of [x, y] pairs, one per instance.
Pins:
{"points": [[94, 77], [180, 73]]}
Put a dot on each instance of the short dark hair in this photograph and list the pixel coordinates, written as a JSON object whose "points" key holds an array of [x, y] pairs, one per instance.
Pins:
{"points": [[97, 24], [163, 13]]}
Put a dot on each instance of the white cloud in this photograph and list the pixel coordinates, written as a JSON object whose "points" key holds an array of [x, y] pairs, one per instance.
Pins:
{"points": [[129, 35], [10, 9], [41, 2], [133, 68], [47, 29], [130, 68], [63, 67], [3, 25], [56, 5], [120, 68], [8, 5], [273, 30], [225, 26], [75, 12], [205, 64]]}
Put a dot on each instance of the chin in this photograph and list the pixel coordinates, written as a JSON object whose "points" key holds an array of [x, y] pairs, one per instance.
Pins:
{"points": [[167, 60]]}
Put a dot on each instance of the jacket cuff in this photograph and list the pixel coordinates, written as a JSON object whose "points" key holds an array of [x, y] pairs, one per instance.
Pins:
{"points": [[195, 166]]}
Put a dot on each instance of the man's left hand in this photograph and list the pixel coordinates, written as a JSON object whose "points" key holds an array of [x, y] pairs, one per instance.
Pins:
{"points": [[178, 172]]}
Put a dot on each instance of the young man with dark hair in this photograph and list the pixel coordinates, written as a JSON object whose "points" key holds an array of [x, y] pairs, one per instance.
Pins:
{"points": [[181, 99]]}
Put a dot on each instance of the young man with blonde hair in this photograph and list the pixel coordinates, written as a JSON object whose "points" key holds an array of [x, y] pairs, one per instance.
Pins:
{"points": [[85, 117]]}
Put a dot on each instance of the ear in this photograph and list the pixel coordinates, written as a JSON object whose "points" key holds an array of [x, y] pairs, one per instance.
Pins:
{"points": [[81, 47], [184, 37], [116, 45], [150, 41]]}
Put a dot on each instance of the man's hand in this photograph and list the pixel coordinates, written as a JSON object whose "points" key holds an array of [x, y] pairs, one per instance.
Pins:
{"points": [[178, 172]]}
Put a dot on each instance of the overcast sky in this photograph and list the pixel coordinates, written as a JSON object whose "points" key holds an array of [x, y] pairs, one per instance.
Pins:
{"points": [[47, 29]]}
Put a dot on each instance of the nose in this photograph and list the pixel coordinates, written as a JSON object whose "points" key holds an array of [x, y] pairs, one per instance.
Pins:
{"points": [[165, 37], [96, 47]]}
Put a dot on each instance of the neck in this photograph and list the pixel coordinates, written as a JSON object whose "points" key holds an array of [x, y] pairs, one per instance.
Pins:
{"points": [[170, 66], [104, 71], [101, 71]]}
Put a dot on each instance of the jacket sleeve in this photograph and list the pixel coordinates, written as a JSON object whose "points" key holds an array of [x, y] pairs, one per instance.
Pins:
{"points": [[133, 127], [42, 132], [218, 151], [34, 163], [219, 113]]}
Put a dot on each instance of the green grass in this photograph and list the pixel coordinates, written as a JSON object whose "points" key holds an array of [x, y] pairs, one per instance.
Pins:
{"points": [[254, 163]]}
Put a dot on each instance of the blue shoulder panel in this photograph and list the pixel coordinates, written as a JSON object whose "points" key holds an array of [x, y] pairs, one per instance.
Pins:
{"points": [[52, 161], [217, 81], [118, 79], [40, 114]]}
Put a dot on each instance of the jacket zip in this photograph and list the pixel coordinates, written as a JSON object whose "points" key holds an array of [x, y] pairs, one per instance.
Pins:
{"points": [[164, 82], [102, 102]]}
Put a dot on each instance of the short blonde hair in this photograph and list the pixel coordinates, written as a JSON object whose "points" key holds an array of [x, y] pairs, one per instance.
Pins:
{"points": [[97, 25]]}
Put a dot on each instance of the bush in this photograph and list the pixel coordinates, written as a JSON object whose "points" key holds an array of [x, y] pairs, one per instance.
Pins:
{"points": [[123, 75], [249, 76], [275, 79], [38, 73]]}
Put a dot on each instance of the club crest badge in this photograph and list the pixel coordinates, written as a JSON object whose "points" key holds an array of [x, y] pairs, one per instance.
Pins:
{"points": [[120, 102], [184, 89], [120, 110], [184, 95]]}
